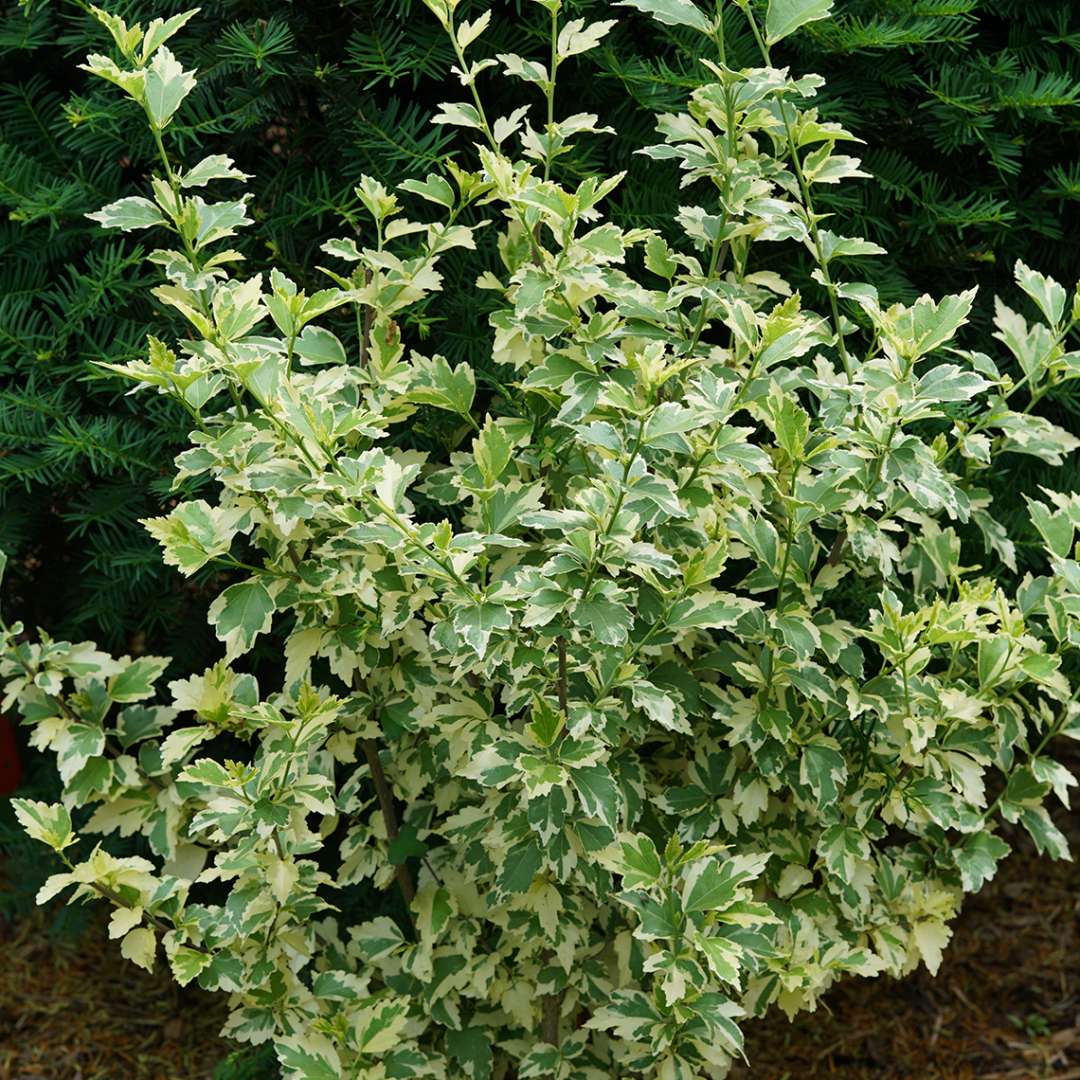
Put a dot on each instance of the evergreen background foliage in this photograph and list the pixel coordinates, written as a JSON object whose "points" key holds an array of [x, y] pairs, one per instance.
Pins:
{"points": [[970, 112]]}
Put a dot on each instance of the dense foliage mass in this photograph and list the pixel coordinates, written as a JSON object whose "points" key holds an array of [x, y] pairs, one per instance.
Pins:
{"points": [[664, 681]]}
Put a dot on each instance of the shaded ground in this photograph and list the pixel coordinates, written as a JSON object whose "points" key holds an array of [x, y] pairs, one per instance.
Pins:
{"points": [[1005, 1005], [78, 1011]]}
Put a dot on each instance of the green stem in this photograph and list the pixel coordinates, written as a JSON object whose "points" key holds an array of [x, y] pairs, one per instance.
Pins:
{"points": [[489, 134], [781, 581], [632, 655], [550, 90], [1036, 395], [808, 205], [113, 896], [446, 567], [718, 248], [785, 561], [1051, 732], [879, 463], [699, 461], [594, 562], [789, 539], [174, 183]]}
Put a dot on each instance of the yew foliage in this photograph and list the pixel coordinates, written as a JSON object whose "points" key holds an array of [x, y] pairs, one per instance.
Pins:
{"points": [[670, 687]]}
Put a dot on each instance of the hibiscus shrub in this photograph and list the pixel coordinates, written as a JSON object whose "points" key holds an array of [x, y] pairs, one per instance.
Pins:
{"points": [[686, 671]]}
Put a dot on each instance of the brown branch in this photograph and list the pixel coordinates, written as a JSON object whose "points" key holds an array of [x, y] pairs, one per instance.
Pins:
{"points": [[549, 1025], [551, 1005], [837, 549], [389, 813], [564, 706]]}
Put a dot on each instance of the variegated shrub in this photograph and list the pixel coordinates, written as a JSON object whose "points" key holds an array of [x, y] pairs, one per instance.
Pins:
{"points": [[690, 674]]}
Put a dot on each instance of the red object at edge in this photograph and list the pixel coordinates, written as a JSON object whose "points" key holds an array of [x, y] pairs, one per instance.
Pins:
{"points": [[10, 766]]}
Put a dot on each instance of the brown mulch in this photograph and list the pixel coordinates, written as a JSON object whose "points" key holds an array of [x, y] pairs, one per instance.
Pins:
{"points": [[78, 1011], [1004, 1006]]}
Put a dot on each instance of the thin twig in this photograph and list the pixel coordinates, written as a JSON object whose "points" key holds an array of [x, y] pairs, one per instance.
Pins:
{"points": [[369, 318], [564, 706], [160, 925]]}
